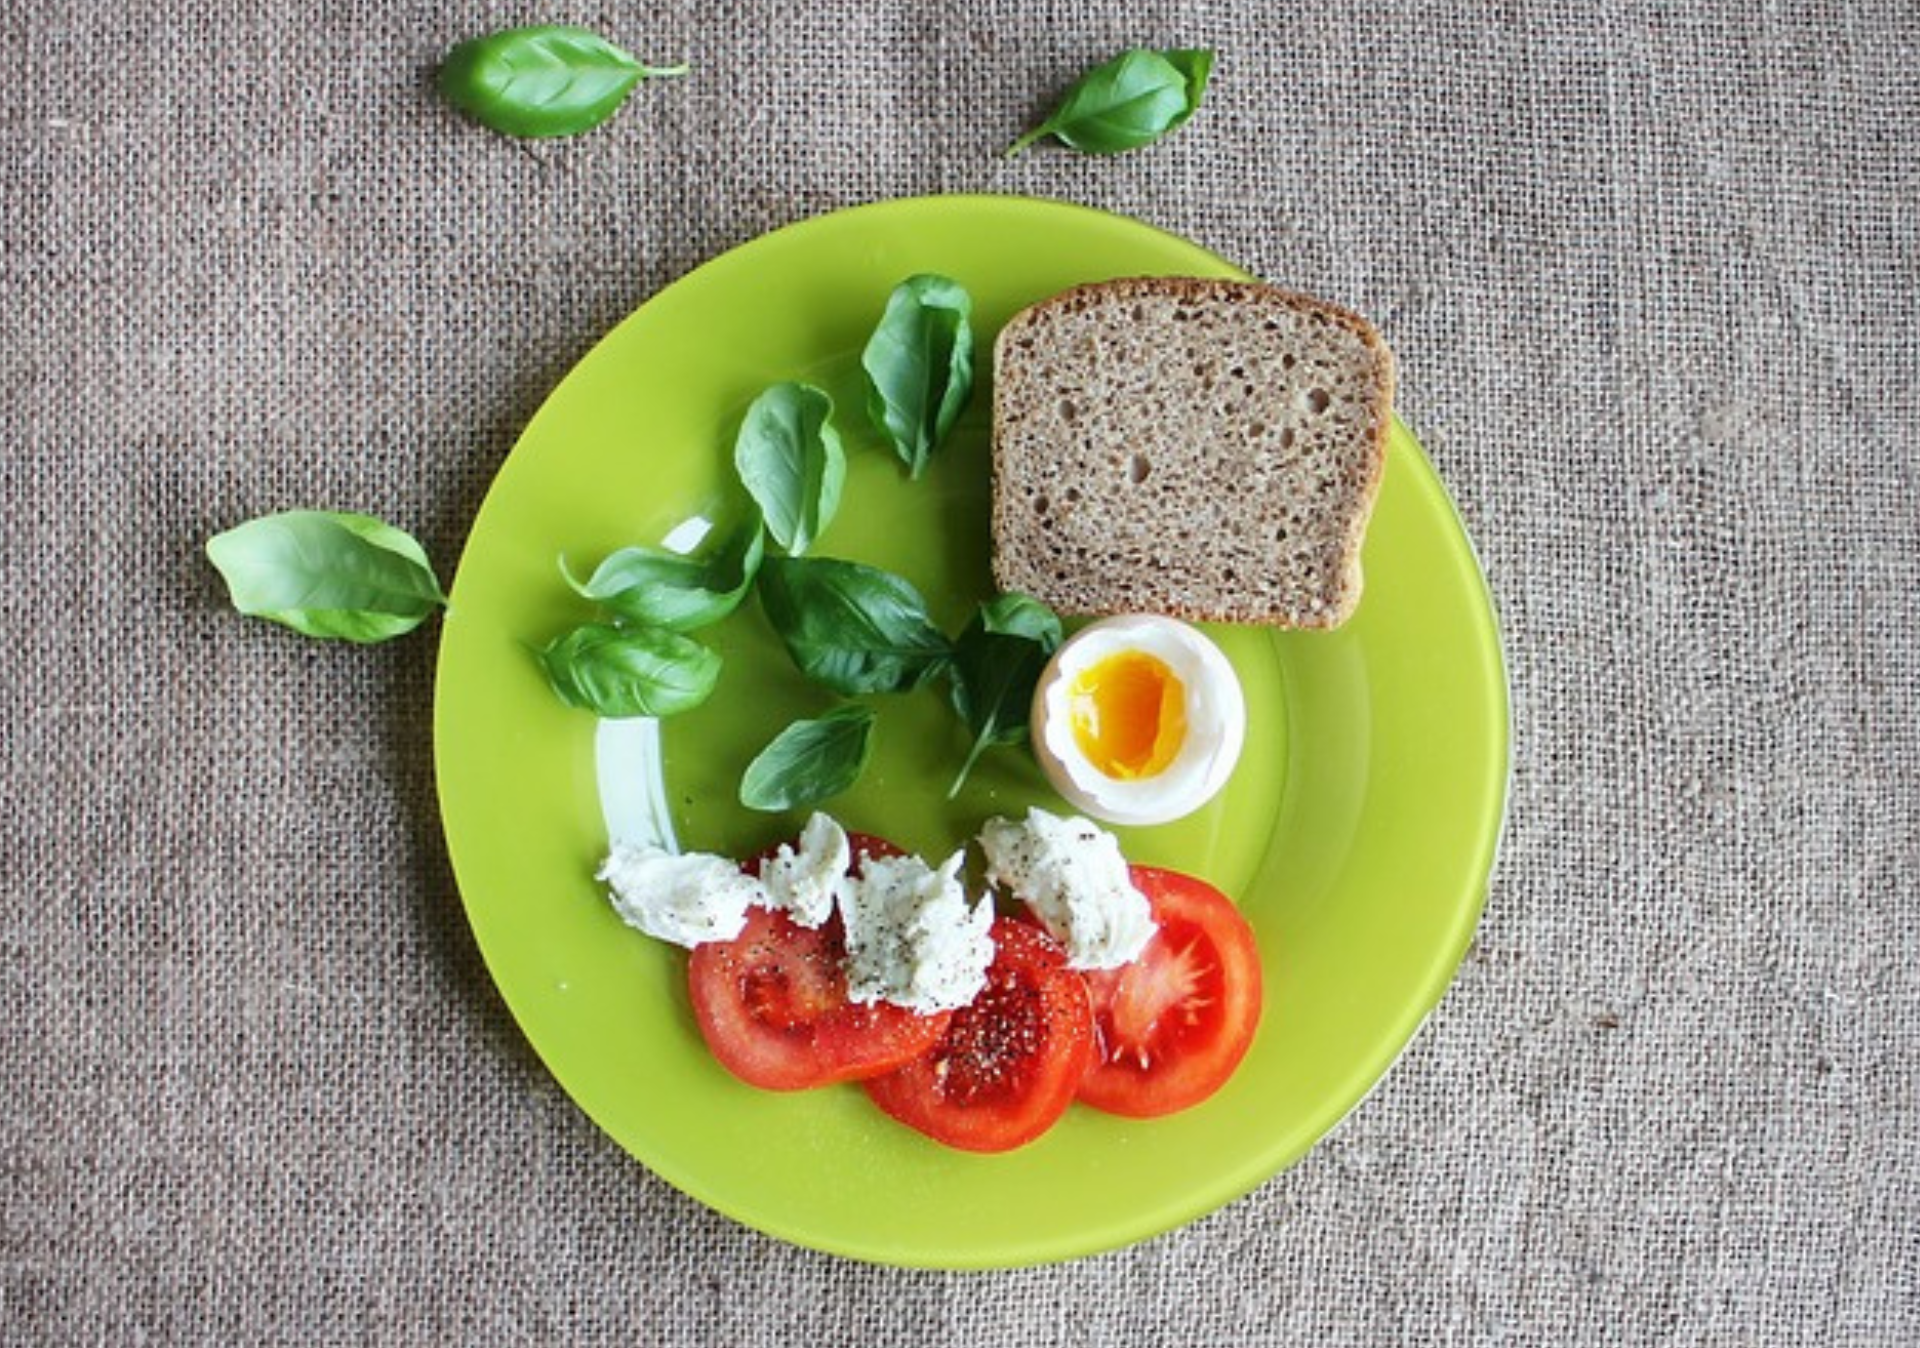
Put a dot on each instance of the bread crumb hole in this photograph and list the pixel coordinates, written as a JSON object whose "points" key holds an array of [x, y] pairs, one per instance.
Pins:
{"points": [[1068, 410], [1286, 359], [1138, 468], [1286, 437], [1318, 400], [1041, 505], [1256, 429]]}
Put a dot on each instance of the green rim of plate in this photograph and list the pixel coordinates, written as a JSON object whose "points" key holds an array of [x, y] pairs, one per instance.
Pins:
{"points": [[1358, 834]]}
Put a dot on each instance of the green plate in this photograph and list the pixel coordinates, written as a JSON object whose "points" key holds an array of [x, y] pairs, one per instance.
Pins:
{"points": [[1357, 834]]}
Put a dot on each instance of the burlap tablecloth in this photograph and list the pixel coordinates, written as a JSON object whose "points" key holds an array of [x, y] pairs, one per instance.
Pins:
{"points": [[1651, 274]]}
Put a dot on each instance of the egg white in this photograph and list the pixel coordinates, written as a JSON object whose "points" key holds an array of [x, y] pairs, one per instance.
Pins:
{"points": [[1216, 715]]}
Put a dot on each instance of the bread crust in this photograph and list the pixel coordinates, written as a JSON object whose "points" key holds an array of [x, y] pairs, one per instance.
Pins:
{"points": [[1102, 344]]}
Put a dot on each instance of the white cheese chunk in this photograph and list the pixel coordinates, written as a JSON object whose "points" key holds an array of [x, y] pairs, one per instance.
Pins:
{"points": [[805, 881], [687, 898], [911, 937], [1071, 874]]}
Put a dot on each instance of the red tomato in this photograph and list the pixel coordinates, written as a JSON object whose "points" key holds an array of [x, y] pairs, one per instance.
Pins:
{"points": [[1008, 1065], [772, 1003], [1172, 1026]]}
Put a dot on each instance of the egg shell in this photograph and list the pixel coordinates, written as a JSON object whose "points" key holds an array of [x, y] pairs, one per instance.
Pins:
{"points": [[1216, 715]]}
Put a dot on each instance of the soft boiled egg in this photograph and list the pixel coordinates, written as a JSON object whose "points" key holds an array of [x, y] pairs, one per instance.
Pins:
{"points": [[1138, 720]]}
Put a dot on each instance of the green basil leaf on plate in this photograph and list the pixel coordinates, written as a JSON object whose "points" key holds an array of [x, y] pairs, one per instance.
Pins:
{"points": [[810, 761], [997, 662], [919, 366], [619, 672], [1128, 102], [790, 460], [852, 627], [545, 80], [655, 588], [329, 574]]}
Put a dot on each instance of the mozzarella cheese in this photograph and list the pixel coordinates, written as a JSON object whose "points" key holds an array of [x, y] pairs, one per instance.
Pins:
{"points": [[912, 936], [806, 881], [688, 898], [912, 939], [1071, 874]]}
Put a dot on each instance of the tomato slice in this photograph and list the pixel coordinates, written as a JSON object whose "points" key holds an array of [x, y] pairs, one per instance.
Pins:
{"points": [[1008, 1065], [1172, 1026], [772, 1003]]}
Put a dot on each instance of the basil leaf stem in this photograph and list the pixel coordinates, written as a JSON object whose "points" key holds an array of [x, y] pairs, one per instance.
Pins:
{"points": [[810, 761], [328, 574], [854, 628], [791, 462], [1127, 102], [545, 80], [619, 672], [919, 366]]}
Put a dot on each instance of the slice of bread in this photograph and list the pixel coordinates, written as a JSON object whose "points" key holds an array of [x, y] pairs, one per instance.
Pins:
{"points": [[1205, 449]]}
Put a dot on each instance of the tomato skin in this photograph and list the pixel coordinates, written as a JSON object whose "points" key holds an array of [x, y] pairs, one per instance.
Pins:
{"points": [[1008, 1065], [772, 1003], [1172, 1026]]}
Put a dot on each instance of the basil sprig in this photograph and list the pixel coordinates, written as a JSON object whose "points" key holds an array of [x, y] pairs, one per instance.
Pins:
{"points": [[810, 761], [996, 663], [791, 462], [328, 573], [852, 627], [546, 80], [919, 366], [665, 589], [1130, 101], [629, 671]]}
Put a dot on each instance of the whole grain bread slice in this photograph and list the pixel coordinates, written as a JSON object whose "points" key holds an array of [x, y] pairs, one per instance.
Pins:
{"points": [[1202, 448]]}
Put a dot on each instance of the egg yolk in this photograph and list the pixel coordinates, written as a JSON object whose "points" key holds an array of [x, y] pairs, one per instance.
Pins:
{"points": [[1129, 714]]}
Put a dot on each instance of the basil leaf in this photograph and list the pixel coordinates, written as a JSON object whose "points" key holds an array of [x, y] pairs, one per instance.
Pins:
{"points": [[790, 460], [854, 628], [665, 589], [328, 574], [1018, 615], [629, 671], [919, 366], [546, 80], [1196, 63], [1130, 101], [810, 761], [996, 663]]}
